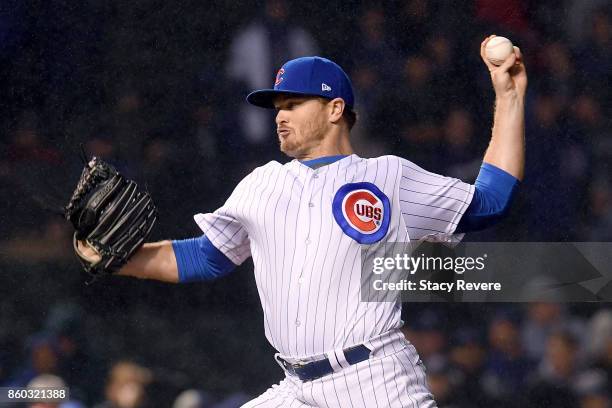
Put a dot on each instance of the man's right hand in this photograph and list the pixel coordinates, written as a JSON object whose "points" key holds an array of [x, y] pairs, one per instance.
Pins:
{"points": [[154, 260], [87, 252]]}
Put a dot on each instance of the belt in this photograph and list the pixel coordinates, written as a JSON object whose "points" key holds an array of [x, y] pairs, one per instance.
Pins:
{"points": [[319, 368]]}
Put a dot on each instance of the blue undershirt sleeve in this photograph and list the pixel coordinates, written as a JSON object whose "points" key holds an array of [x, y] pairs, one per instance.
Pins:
{"points": [[493, 195], [198, 259]]}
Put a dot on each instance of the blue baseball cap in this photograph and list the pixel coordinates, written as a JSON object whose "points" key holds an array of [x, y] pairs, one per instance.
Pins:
{"points": [[307, 76]]}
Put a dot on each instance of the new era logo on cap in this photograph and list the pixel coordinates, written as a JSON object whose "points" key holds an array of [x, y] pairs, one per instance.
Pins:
{"points": [[307, 76]]}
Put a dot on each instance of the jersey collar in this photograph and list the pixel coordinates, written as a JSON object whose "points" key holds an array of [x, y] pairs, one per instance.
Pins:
{"points": [[322, 161]]}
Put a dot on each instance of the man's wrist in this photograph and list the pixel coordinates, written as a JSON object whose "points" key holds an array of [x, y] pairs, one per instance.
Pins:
{"points": [[509, 98]]}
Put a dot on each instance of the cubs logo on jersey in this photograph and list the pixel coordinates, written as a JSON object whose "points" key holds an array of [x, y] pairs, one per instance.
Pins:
{"points": [[363, 212]]}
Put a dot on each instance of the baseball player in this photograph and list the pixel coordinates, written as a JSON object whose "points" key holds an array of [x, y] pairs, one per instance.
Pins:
{"points": [[304, 224]]}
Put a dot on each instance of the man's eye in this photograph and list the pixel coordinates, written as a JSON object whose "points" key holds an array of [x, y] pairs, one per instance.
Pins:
{"points": [[287, 106]]}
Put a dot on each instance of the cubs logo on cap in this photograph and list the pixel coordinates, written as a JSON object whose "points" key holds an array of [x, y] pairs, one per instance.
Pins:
{"points": [[363, 212], [279, 76]]}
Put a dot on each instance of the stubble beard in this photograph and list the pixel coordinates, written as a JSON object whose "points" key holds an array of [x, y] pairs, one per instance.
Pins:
{"points": [[295, 146]]}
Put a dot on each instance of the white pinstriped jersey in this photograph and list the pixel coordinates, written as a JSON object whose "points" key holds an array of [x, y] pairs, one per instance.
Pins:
{"points": [[299, 225]]}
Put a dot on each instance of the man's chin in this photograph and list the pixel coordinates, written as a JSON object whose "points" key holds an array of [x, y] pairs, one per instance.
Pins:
{"points": [[288, 149]]}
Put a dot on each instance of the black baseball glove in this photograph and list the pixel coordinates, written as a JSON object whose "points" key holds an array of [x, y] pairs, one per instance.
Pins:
{"points": [[111, 215]]}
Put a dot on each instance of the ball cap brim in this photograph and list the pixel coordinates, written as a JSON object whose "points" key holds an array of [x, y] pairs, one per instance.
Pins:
{"points": [[264, 98]]}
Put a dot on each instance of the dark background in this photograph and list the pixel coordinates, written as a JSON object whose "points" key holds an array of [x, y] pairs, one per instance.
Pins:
{"points": [[157, 88]]}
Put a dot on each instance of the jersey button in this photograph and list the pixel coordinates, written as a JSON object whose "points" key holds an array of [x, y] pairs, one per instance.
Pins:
{"points": [[307, 241], [297, 323], [300, 280], [311, 205], [315, 176]]}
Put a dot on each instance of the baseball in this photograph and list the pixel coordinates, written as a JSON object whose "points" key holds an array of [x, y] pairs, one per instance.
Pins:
{"points": [[498, 49]]}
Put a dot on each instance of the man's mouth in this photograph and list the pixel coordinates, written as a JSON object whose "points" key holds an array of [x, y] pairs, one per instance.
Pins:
{"points": [[282, 133]]}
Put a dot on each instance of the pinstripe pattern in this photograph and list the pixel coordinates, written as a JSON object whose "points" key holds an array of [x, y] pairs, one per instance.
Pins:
{"points": [[430, 203], [308, 270]]}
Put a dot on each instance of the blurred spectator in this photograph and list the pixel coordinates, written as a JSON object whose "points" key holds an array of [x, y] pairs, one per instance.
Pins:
{"points": [[54, 382], [594, 55], [550, 179], [544, 17], [507, 366], [32, 160], [599, 344], [415, 18], [193, 399], [234, 400], [544, 319], [52, 244], [596, 400], [101, 146], [458, 150], [256, 53], [587, 125], [417, 76], [599, 225], [209, 148], [593, 389], [440, 49], [451, 71], [78, 364], [368, 94], [557, 70], [417, 105], [443, 383], [556, 375], [43, 358], [374, 45], [371, 81], [166, 179], [126, 386], [513, 16], [103, 142], [577, 18], [129, 125], [427, 334], [28, 145], [468, 356]]}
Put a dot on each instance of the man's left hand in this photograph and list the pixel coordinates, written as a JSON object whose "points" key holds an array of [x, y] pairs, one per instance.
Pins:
{"points": [[510, 78]]}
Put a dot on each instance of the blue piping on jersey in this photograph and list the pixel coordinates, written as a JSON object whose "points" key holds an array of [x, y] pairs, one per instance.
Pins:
{"points": [[198, 259], [323, 160], [493, 195]]}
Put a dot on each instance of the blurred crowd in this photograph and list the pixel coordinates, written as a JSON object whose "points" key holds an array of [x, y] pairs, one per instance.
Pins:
{"points": [[503, 355], [158, 90], [538, 355]]}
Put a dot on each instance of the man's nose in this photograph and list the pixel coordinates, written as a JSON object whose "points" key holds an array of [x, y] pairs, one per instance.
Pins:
{"points": [[281, 117]]}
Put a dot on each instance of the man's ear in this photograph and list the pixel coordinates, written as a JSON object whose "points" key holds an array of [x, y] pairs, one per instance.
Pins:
{"points": [[337, 107]]}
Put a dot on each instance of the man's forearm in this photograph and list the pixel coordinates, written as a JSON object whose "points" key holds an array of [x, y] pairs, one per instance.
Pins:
{"points": [[507, 147], [154, 260]]}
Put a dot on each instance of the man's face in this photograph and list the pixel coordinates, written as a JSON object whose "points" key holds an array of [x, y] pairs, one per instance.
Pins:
{"points": [[301, 123]]}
